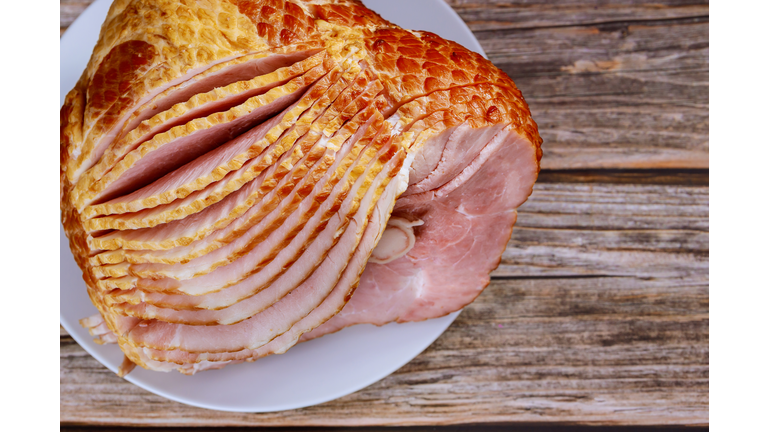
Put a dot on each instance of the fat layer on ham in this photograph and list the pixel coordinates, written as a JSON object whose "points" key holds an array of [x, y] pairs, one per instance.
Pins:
{"points": [[201, 276], [370, 144], [167, 151], [222, 208], [229, 191], [248, 198], [272, 213]]}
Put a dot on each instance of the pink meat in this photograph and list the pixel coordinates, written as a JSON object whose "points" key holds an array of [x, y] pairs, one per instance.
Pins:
{"points": [[271, 269], [230, 150], [288, 188], [291, 252], [174, 339], [287, 205], [192, 82], [467, 223], [187, 148], [198, 362], [243, 69], [441, 161], [342, 108], [219, 202], [294, 251]]}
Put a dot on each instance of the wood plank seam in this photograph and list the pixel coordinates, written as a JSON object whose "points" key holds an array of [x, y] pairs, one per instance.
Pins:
{"points": [[599, 311]]}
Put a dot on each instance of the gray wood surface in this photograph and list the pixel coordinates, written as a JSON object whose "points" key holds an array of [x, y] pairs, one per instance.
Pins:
{"points": [[599, 311], [598, 314], [612, 84]]}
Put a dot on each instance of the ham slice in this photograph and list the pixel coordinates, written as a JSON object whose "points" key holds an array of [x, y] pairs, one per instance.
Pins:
{"points": [[272, 190], [252, 333], [187, 101], [232, 187], [306, 249], [281, 221], [152, 159], [218, 204]]}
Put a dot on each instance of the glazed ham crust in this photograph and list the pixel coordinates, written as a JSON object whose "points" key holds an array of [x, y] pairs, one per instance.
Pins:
{"points": [[228, 168]]}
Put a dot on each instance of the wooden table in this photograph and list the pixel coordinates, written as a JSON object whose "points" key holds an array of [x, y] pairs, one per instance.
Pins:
{"points": [[599, 312]]}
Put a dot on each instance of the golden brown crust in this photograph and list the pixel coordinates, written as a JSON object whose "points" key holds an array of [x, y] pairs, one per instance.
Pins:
{"points": [[128, 138], [346, 13], [427, 85], [146, 44], [159, 140]]}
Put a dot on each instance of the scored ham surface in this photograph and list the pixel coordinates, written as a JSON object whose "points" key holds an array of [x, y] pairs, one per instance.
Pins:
{"points": [[238, 176]]}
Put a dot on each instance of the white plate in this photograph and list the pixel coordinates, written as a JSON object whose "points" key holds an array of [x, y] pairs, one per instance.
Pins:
{"points": [[310, 373]]}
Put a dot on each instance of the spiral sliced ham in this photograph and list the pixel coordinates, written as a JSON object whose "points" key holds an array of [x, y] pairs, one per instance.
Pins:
{"points": [[255, 197], [253, 249], [166, 152], [343, 176], [274, 219], [236, 185]]}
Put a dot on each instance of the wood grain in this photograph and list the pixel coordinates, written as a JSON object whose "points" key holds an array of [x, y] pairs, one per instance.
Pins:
{"points": [[598, 314], [618, 84], [568, 230], [598, 351], [611, 94], [599, 310], [679, 177]]}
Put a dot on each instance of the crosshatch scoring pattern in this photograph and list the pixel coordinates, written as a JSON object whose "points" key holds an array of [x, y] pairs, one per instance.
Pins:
{"points": [[599, 311]]}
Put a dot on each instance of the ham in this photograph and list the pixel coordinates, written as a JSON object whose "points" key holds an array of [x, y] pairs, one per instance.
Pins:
{"points": [[201, 276], [319, 153], [308, 267], [218, 208], [274, 321], [372, 144], [273, 211], [184, 102], [152, 159], [191, 363], [168, 235], [230, 191], [220, 99]]}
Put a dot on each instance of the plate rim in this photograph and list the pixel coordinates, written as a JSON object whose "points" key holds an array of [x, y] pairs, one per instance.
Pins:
{"points": [[84, 20]]}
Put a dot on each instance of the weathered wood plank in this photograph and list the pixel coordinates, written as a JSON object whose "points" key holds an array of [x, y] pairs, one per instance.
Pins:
{"points": [[482, 14], [605, 350], [613, 96], [526, 14], [69, 10], [617, 230], [476, 427], [620, 84], [573, 330], [674, 177]]}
